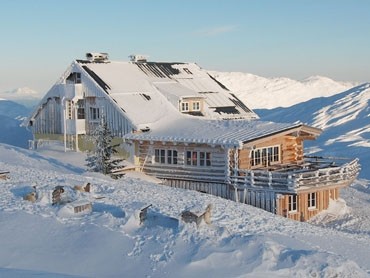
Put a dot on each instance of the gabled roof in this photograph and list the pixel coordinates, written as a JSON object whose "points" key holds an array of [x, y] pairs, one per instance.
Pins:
{"points": [[166, 84], [232, 133]]}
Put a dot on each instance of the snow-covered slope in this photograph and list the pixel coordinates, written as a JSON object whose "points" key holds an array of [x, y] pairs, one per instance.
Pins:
{"points": [[344, 119], [11, 117], [261, 92], [43, 240]]}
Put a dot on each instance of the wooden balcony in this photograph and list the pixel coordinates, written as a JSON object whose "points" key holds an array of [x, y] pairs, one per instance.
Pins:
{"points": [[314, 172]]}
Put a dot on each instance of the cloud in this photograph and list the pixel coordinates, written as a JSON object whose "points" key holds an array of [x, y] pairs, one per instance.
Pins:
{"points": [[211, 32]]}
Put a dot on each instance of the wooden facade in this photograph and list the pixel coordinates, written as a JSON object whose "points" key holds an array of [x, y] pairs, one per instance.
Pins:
{"points": [[303, 210], [312, 182], [215, 172]]}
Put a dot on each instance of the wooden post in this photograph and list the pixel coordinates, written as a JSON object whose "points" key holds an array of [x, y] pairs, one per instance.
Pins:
{"points": [[270, 179], [245, 195]]}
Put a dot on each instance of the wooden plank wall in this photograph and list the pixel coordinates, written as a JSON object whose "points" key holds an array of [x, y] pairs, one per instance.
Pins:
{"points": [[49, 119], [303, 213], [217, 172], [216, 189], [291, 149], [263, 199]]}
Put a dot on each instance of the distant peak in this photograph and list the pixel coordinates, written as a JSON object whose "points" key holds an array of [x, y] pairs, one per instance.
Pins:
{"points": [[315, 78]]}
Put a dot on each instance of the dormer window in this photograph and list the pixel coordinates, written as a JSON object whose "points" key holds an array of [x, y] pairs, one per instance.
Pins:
{"points": [[184, 106], [192, 106], [196, 106]]}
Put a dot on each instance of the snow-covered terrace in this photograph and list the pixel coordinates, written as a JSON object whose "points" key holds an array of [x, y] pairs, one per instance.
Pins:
{"points": [[314, 172]]}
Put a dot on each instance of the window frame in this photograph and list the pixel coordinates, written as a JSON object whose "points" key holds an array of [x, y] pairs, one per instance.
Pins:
{"points": [[198, 158], [81, 109], [293, 203], [94, 113], [312, 200], [185, 106], [165, 156], [265, 156], [196, 106]]}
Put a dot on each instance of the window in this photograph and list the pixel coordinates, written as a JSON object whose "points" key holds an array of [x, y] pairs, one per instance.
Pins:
{"points": [[312, 200], [195, 158], [292, 203], [185, 106], [94, 113], [171, 157], [265, 156], [196, 106], [81, 109], [74, 78], [163, 156]]}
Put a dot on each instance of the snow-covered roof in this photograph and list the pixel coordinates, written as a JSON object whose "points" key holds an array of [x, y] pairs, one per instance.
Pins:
{"points": [[163, 85], [231, 133]]}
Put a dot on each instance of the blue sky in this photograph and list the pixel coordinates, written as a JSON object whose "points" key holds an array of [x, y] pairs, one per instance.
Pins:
{"points": [[291, 38]]}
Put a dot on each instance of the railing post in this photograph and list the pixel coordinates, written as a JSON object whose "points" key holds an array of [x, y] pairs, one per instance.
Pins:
{"points": [[270, 179]]}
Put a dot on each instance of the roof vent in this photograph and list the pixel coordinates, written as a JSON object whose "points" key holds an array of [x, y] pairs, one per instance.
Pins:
{"points": [[137, 58], [97, 57]]}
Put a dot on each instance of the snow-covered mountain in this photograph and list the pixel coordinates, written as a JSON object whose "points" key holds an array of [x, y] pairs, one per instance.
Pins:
{"points": [[25, 96], [260, 92], [12, 115], [344, 118]]}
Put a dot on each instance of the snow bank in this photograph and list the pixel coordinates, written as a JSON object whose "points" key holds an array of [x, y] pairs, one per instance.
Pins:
{"points": [[110, 242]]}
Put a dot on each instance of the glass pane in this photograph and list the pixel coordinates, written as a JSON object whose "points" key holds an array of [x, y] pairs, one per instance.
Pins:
{"points": [[188, 158], [156, 155], [174, 157], [194, 159], [169, 156], [208, 159]]}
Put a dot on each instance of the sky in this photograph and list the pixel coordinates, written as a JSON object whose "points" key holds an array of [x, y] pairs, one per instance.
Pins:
{"points": [[270, 38]]}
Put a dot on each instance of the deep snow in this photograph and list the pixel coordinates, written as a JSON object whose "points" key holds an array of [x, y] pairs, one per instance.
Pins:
{"points": [[38, 239], [243, 241]]}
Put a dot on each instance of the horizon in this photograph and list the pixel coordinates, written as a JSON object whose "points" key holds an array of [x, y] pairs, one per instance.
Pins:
{"points": [[269, 38]]}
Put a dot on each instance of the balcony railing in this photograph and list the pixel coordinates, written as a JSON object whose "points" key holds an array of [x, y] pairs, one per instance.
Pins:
{"points": [[314, 172]]}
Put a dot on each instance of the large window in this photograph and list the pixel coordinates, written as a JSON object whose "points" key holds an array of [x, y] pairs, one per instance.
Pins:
{"points": [[265, 156], [197, 158], [165, 156], [292, 203], [312, 200]]}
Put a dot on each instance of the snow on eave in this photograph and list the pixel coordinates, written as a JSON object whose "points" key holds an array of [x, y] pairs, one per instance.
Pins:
{"points": [[224, 133], [313, 130]]}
